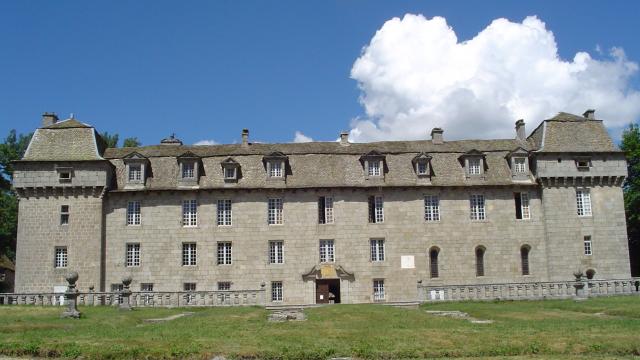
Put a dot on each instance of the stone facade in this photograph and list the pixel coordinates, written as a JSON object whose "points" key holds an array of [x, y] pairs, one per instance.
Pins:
{"points": [[100, 189]]}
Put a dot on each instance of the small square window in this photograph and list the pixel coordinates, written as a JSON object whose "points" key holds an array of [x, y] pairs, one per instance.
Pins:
{"points": [[230, 173], [189, 286], [61, 257], [583, 164], [146, 287], [224, 286], [64, 176]]}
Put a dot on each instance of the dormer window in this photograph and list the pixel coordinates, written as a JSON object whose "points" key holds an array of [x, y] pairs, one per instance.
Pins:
{"points": [[276, 165], [474, 163], [519, 165], [188, 170], [474, 167], [136, 167], [518, 161], [230, 173], [373, 163], [421, 165], [583, 164], [135, 172], [230, 170]]}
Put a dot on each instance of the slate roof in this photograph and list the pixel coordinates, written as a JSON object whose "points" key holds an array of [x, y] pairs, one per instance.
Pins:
{"points": [[68, 140]]}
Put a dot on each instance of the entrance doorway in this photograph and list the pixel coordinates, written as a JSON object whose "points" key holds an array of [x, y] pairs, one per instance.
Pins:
{"points": [[327, 291]]}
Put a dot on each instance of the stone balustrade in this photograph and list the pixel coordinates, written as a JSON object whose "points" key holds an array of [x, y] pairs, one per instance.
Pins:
{"points": [[527, 291]]}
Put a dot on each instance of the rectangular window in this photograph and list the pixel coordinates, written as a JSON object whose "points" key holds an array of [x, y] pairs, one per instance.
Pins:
{"points": [[583, 164], [188, 254], [133, 255], [276, 291], [135, 172], [374, 168], [522, 206], [474, 167], [476, 203], [188, 170], [431, 208], [230, 173], [224, 286], [588, 250], [61, 257], [276, 252], [133, 213], [189, 213], [422, 167], [64, 176], [520, 165], [224, 212], [583, 199], [275, 169], [325, 210], [376, 209], [189, 286], [275, 211], [378, 290], [146, 287], [327, 251], [224, 253], [64, 215], [377, 249]]}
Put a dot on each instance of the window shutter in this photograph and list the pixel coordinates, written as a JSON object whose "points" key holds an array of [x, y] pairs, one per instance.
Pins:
{"points": [[321, 210], [372, 209]]}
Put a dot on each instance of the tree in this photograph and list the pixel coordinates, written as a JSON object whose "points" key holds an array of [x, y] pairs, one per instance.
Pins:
{"points": [[631, 146], [110, 140], [11, 149], [131, 142]]}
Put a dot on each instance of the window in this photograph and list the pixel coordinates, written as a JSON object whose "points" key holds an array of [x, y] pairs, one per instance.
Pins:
{"points": [[522, 206], [433, 262], [146, 287], [224, 286], [583, 164], [135, 172], [378, 290], [224, 253], [188, 170], [474, 166], [583, 200], [189, 213], [325, 210], [189, 286], [224, 212], [276, 252], [376, 210], [276, 291], [117, 288], [327, 251], [61, 257], [377, 249], [188, 254], [374, 167], [133, 213], [275, 169], [519, 165], [133, 255], [275, 211], [229, 173], [480, 261], [64, 176], [422, 167], [588, 250], [477, 207], [431, 208], [524, 259], [64, 215]]}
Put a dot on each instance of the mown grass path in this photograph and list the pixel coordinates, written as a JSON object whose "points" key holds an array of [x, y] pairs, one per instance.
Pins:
{"points": [[604, 328]]}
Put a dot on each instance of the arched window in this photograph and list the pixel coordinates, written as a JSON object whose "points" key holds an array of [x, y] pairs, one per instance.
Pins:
{"points": [[433, 261], [480, 250], [590, 274], [524, 259]]}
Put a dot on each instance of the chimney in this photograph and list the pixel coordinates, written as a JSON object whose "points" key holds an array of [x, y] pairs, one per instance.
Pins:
{"points": [[344, 138], [521, 133], [245, 137], [590, 114], [436, 136], [49, 119]]}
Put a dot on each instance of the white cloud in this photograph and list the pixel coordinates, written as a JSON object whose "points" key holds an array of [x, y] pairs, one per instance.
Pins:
{"points": [[415, 75], [301, 138], [206, 142]]}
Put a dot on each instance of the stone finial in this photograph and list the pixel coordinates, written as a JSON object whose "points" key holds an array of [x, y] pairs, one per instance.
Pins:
{"points": [[49, 119], [126, 280], [71, 296], [589, 114], [437, 136], [245, 137], [521, 133], [344, 138], [72, 277]]}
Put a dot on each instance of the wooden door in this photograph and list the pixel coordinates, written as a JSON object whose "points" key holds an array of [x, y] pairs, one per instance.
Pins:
{"points": [[322, 292]]}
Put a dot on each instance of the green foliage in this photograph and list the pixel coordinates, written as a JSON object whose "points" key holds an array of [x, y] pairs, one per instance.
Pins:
{"points": [[110, 140], [131, 142], [631, 146], [11, 149]]}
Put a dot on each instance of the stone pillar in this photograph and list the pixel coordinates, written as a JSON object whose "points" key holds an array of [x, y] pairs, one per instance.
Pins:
{"points": [[71, 295], [126, 294]]}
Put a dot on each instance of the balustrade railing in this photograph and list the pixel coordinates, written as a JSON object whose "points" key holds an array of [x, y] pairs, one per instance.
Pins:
{"points": [[526, 291]]}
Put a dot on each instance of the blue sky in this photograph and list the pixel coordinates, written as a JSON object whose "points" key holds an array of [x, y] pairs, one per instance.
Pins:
{"points": [[207, 69]]}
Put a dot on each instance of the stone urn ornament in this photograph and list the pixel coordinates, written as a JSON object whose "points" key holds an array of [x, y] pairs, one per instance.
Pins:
{"points": [[579, 286], [71, 296], [125, 293]]}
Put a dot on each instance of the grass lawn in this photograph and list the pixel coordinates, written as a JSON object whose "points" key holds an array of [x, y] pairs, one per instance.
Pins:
{"points": [[602, 328]]}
